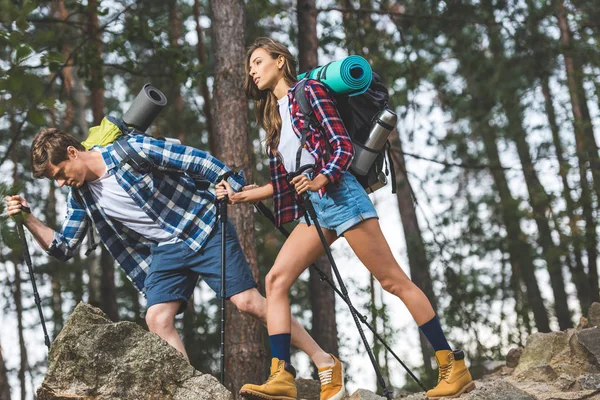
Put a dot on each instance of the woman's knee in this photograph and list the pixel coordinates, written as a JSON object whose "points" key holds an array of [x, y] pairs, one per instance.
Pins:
{"points": [[276, 282], [398, 285]]}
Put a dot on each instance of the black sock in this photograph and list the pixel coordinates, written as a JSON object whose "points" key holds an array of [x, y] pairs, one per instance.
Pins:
{"points": [[280, 346], [433, 332]]}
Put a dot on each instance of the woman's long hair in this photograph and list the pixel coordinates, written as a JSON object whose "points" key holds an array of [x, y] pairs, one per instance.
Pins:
{"points": [[265, 102]]}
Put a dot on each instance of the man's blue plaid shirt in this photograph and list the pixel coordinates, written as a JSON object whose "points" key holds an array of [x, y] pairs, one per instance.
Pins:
{"points": [[168, 195]]}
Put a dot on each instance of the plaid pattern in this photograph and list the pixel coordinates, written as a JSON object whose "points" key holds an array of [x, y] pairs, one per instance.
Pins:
{"points": [[284, 198], [168, 195]]}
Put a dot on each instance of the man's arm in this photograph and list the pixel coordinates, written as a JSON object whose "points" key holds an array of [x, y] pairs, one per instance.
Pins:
{"points": [[15, 205], [179, 158], [61, 245]]}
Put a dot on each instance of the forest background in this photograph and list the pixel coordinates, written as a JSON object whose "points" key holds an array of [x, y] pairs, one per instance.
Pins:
{"points": [[497, 164]]}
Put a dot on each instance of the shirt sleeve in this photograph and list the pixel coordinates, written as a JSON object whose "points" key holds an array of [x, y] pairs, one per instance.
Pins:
{"points": [[333, 127], [176, 157], [72, 232]]}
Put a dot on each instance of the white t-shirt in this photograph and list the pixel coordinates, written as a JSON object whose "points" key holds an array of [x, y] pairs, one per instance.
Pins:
{"points": [[117, 204], [288, 141]]}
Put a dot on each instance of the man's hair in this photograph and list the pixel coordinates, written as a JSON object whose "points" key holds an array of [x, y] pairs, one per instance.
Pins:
{"points": [[50, 146]]}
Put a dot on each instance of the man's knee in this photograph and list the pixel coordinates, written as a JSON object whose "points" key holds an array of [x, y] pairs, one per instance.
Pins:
{"points": [[250, 302], [161, 317]]}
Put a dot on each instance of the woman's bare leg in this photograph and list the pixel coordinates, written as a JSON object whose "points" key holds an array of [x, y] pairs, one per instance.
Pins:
{"points": [[301, 249], [373, 250]]}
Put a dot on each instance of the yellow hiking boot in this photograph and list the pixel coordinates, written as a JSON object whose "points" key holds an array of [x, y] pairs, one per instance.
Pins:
{"points": [[454, 377], [332, 381], [279, 386]]}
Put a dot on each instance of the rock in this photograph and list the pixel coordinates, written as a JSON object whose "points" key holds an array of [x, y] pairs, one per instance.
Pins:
{"points": [[94, 358], [363, 394], [308, 389], [410, 396], [535, 361], [590, 340], [583, 323], [589, 382], [594, 314], [513, 357], [497, 390]]}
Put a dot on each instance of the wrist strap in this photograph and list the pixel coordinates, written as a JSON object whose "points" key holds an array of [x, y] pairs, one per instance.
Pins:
{"points": [[225, 176]]}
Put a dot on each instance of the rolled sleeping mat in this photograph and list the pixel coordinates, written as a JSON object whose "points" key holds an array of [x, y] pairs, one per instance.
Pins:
{"points": [[350, 76], [145, 107]]}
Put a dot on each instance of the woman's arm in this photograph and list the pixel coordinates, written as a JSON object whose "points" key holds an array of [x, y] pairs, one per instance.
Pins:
{"points": [[247, 195]]}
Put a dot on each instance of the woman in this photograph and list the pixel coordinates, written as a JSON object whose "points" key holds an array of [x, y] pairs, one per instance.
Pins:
{"points": [[343, 209]]}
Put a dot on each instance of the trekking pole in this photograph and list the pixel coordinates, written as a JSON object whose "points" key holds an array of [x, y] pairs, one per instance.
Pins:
{"points": [[313, 215], [266, 212], [36, 295], [223, 221]]}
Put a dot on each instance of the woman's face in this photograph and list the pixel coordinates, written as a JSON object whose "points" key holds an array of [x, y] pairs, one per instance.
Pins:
{"points": [[264, 70]]}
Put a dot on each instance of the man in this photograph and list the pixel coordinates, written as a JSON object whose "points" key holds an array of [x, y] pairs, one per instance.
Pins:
{"points": [[157, 224]]}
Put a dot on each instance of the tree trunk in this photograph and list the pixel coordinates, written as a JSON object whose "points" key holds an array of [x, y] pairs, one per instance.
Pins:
{"points": [[587, 150], [55, 274], [577, 271], [518, 248], [177, 123], [245, 353], [104, 290], [107, 286], [96, 63], [59, 11], [206, 105], [415, 247], [538, 200], [322, 297], [4, 386]]}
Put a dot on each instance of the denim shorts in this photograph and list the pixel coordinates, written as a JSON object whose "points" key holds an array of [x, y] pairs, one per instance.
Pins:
{"points": [[175, 269], [344, 205]]}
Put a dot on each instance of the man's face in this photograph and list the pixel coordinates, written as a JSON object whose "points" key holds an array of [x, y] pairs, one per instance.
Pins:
{"points": [[70, 172]]}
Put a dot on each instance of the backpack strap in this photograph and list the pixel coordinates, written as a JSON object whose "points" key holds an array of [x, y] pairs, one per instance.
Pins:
{"points": [[130, 156], [392, 169], [309, 114]]}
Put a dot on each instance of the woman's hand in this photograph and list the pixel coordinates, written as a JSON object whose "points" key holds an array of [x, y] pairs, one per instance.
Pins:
{"points": [[303, 183]]}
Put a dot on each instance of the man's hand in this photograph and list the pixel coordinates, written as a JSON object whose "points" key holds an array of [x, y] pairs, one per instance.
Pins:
{"points": [[223, 189], [16, 205], [302, 183]]}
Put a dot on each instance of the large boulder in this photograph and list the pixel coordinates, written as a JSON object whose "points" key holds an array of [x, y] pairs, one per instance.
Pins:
{"points": [[548, 357], [94, 358]]}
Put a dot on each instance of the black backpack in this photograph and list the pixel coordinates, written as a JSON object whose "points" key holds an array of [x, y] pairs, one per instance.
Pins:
{"points": [[358, 115]]}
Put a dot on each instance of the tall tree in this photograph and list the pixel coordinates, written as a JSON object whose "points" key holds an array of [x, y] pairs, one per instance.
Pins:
{"points": [[175, 97], [322, 298], [203, 86], [538, 198], [244, 344], [577, 271], [587, 149], [17, 294], [4, 386], [102, 273]]}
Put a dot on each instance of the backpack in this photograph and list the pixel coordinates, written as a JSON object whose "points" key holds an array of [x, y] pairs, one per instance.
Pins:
{"points": [[358, 114]]}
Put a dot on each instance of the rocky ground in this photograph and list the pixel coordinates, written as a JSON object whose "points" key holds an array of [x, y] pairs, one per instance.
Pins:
{"points": [[94, 358]]}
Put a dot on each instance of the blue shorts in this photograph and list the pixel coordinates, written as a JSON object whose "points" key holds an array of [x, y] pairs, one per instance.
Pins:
{"points": [[344, 205], [175, 269]]}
